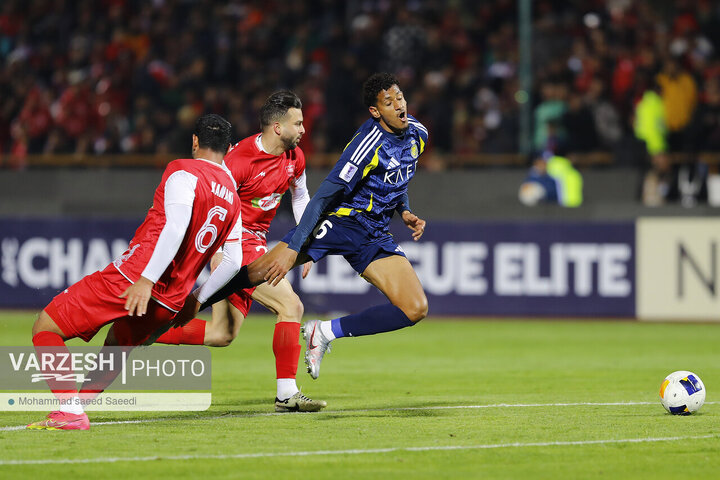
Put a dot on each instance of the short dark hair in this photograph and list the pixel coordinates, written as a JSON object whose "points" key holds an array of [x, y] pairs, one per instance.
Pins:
{"points": [[277, 105], [213, 132], [376, 84]]}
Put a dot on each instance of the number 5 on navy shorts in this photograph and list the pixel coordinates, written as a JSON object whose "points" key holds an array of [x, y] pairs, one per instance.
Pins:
{"points": [[344, 236]]}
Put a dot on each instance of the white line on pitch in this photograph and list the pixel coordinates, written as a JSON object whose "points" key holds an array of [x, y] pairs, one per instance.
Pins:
{"points": [[354, 451], [340, 412]]}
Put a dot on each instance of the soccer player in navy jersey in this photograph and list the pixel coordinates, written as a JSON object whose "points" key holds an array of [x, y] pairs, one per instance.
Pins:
{"points": [[350, 216]]}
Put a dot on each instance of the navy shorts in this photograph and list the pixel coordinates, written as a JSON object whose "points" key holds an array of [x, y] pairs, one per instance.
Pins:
{"points": [[345, 236]]}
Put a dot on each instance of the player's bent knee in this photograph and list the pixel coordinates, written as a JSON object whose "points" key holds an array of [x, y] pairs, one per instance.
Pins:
{"points": [[293, 310], [219, 342], [218, 339], [44, 323], [417, 309]]}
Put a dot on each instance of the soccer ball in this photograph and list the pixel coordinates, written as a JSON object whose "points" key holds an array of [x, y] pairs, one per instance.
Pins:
{"points": [[682, 393]]}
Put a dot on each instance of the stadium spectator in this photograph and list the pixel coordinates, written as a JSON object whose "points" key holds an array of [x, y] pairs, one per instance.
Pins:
{"points": [[569, 180], [579, 124], [548, 115], [34, 121], [650, 121], [552, 179], [679, 95], [608, 124], [538, 187]]}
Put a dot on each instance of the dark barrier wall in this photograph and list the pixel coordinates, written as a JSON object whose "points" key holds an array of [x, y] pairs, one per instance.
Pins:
{"points": [[467, 268], [483, 194]]}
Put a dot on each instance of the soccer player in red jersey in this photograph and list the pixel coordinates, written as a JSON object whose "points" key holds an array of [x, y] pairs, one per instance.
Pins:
{"points": [[265, 166], [195, 210]]}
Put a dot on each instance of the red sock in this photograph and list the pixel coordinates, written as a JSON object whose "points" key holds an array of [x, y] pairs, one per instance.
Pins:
{"points": [[191, 334], [96, 381], [49, 343], [286, 348]]}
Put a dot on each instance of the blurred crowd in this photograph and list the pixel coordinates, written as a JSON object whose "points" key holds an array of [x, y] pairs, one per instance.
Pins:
{"points": [[131, 76]]}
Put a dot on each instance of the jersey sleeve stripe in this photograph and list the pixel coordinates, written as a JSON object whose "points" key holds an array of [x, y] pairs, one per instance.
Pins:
{"points": [[362, 149], [365, 145], [362, 143], [368, 148]]}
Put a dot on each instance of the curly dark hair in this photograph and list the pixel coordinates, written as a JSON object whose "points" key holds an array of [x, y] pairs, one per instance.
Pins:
{"points": [[376, 84], [213, 132], [277, 105]]}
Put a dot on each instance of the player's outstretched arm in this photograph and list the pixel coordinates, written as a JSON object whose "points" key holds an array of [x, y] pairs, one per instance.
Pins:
{"points": [[282, 261], [227, 269]]}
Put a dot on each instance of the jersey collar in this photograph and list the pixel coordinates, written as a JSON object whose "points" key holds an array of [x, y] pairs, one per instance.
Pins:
{"points": [[220, 165], [259, 145]]}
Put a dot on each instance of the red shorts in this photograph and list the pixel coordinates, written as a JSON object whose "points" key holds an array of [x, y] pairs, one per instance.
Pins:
{"points": [[253, 248], [93, 302]]}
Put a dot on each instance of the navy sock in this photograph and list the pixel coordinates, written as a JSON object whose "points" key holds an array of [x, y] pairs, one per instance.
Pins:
{"points": [[377, 319]]}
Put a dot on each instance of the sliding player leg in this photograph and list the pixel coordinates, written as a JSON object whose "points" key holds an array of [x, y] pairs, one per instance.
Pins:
{"points": [[393, 276], [49, 340], [81, 311]]}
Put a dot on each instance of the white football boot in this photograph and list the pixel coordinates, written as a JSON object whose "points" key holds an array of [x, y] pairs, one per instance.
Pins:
{"points": [[316, 344]]}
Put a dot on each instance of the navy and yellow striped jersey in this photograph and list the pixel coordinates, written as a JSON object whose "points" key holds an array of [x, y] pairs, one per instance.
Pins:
{"points": [[375, 169]]}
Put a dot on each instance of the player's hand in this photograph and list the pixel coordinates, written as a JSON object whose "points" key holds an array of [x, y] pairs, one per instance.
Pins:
{"points": [[306, 269], [417, 225], [188, 311], [280, 266], [137, 297]]}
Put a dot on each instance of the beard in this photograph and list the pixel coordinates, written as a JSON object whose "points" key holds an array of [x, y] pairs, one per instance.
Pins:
{"points": [[290, 143]]}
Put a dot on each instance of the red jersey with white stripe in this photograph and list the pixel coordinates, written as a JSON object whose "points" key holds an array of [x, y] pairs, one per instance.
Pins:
{"points": [[215, 220], [262, 179]]}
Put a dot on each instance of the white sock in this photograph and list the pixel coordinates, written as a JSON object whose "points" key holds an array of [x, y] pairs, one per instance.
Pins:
{"points": [[286, 388], [72, 406], [326, 329]]}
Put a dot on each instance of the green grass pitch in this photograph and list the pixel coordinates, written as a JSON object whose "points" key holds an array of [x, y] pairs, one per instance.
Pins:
{"points": [[445, 399]]}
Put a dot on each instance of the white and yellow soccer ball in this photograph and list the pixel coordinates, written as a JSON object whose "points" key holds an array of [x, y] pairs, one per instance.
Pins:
{"points": [[682, 393]]}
